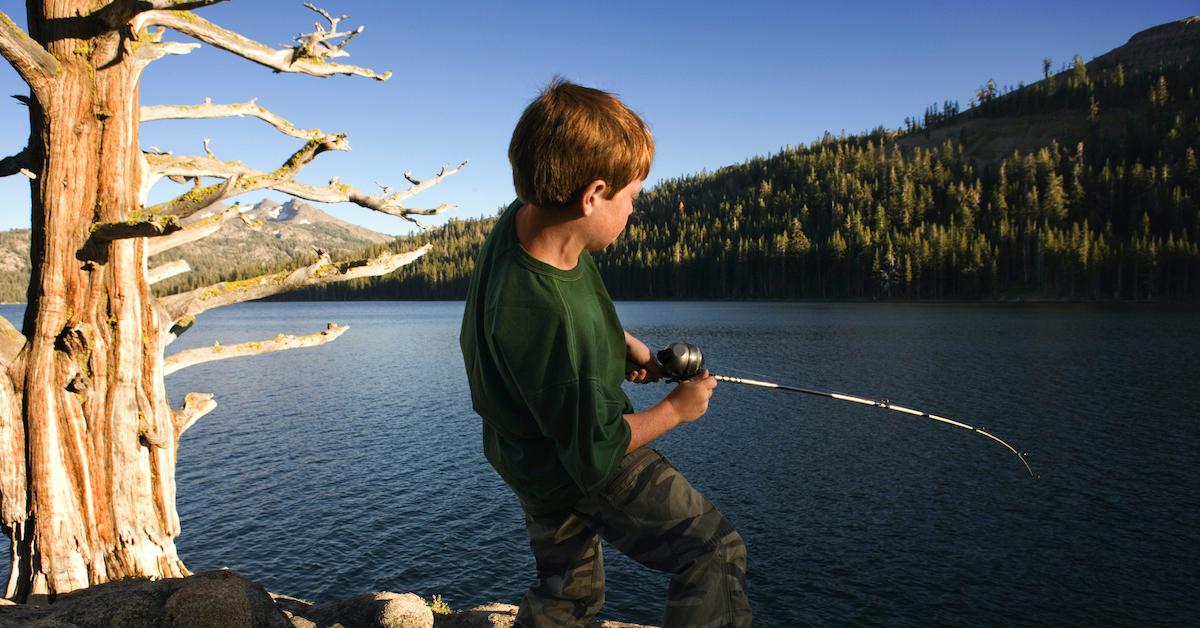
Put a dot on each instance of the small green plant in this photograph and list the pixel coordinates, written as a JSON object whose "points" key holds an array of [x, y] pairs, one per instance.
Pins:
{"points": [[441, 611], [439, 606]]}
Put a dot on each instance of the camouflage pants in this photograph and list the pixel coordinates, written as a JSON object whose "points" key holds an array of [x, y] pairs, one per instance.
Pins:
{"points": [[650, 512]]}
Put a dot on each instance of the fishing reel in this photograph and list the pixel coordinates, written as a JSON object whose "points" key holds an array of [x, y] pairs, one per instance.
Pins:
{"points": [[681, 361]]}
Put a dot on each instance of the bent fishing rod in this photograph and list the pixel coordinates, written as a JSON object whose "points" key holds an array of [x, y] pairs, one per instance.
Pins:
{"points": [[682, 360]]}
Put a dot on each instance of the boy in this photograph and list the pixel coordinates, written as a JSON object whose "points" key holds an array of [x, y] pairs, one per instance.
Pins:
{"points": [[545, 356]]}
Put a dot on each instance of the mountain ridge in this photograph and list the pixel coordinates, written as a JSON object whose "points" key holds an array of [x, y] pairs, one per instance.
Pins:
{"points": [[265, 235], [1082, 184]]}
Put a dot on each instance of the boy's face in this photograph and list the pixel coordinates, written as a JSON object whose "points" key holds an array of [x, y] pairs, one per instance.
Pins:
{"points": [[610, 216]]}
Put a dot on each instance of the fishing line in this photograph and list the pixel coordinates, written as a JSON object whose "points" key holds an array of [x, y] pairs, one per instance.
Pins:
{"points": [[684, 360]]}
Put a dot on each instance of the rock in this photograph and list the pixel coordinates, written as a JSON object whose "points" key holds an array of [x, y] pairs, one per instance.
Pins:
{"points": [[494, 615], [491, 615], [222, 599], [370, 610], [294, 609], [218, 598]]}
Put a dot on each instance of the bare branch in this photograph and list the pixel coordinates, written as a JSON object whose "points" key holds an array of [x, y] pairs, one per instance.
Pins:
{"points": [[421, 186], [174, 5], [167, 270], [192, 357], [153, 227], [209, 110], [96, 247], [195, 405], [321, 272], [343, 193], [177, 328], [316, 44], [33, 62], [196, 199], [335, 192], [147, 53], [17, 164], [192, 232], [237, 183], [286, 60], [11, 342]]}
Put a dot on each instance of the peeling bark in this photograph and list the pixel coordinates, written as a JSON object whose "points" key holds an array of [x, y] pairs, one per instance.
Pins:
{"points": [[91, 381], [88, 439]]}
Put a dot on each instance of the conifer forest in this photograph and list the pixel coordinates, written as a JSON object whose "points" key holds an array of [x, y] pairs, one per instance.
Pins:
{"points": [[1107, 209], [1081, 186]]}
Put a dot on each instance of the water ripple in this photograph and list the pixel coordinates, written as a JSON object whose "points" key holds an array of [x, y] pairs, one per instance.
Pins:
{"points": [[357, 466]]}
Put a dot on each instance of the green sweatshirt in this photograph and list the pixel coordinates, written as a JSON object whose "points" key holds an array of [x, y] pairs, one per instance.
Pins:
{"points": [[545, 358]]}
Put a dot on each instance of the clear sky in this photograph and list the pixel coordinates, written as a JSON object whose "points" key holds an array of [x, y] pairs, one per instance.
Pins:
{"points": [[719, 82]]}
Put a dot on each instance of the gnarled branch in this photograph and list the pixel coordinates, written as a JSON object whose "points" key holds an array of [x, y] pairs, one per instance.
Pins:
{"points": [[166, 271], [154, 226], [335, 192], [210, 110], [173, 5], [195, 405], [103, 233], [192, 357], [316, 44], [191, 233], [147, 53], [421, 186], [177, 328], [285, 60], [17, 164], [34, 63], [321, 272], [200, 197]]}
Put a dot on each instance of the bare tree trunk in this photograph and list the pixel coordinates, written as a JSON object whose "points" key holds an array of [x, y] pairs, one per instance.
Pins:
{"points": [[87, 439], [100, 438]]}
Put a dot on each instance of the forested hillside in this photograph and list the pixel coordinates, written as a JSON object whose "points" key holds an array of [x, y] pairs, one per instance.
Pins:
{"points": [[1081, 185]]}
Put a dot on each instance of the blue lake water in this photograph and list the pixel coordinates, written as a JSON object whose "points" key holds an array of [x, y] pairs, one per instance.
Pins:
{"points": [[357, 466]]}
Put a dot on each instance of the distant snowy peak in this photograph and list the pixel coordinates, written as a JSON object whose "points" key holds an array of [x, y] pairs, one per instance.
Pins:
{"points": [[294, 220], [293, 211]]}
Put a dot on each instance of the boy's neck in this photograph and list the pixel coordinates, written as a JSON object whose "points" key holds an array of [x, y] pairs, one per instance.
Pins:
{"points": [[550, 235]]}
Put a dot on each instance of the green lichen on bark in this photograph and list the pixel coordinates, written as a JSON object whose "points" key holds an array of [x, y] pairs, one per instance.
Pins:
{"points": [[244, 284], [325, 270]]}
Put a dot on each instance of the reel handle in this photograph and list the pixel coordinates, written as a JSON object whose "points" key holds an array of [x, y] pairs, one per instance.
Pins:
{"points": [[681, 361]]}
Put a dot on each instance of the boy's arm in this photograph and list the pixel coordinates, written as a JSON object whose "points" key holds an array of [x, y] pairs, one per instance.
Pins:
{"points": [[640, 365], [686, 403]]}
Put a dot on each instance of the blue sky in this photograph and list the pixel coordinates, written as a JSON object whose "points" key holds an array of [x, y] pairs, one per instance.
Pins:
{"points": [[719, 82]]}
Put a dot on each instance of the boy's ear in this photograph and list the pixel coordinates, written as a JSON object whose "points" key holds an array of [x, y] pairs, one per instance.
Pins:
{"points": [[592, 194]]}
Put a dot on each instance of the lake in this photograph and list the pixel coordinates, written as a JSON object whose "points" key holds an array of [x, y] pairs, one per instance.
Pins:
{"points": [[357, 466]]}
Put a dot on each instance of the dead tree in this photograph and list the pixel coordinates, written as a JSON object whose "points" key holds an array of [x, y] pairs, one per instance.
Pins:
{"points": [[87, 437]]}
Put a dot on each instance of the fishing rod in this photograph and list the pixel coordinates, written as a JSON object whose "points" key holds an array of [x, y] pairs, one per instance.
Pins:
{"points": [[684, 360]]}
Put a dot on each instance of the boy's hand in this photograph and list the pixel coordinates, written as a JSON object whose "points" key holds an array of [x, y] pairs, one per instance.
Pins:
{"points": [[690, 397], [640, 365]]}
